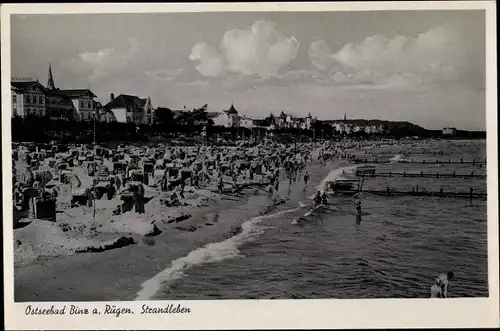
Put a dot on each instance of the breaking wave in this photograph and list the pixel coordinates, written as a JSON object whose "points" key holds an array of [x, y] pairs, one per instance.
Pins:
{"points": [[213, 252]]}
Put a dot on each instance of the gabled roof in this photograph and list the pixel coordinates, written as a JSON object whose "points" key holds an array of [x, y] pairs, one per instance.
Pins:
{"points": [[75, 93], [231, 110], [212, 114], [23, 85], [126, 101]]}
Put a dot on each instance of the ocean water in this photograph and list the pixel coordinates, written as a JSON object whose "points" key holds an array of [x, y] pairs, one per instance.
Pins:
{"points": [[401, 246]]}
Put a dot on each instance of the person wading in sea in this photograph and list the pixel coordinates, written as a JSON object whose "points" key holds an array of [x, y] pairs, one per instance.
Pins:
{"points": [[306, 179], [440, 288], [357, 201]]}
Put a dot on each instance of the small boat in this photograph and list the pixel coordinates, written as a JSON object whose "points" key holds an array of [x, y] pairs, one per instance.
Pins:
{"points": [[365, 170], [342, 186]]}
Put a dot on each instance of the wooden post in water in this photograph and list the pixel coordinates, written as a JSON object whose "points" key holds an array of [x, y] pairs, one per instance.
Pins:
{"points": [[421, 174], [437, 174], [473, 161], [461, 160], [388, 191], [404, 174], [441, 191], [470, 193], [453, 174]]}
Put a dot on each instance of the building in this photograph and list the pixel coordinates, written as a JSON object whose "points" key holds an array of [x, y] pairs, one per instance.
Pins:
{"points": [[28, 97], [246, 122], [83, 101], [449, 132], [130, 109], [105, 116], [228, 118], [59, 107], [280, 121]]}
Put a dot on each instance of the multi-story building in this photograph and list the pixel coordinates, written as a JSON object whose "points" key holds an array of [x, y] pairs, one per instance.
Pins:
{"points": [[130, 109], [82, 101], [246, 122], [58, 106], [105, 116], [449, 132], [228, 118], [28, 98]]}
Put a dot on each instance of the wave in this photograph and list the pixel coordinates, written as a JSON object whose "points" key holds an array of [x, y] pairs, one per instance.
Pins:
{"points": [[396, 158], [338, 173], [213, 252]]}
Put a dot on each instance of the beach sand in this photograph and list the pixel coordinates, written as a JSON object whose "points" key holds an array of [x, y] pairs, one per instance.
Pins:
{"points": [[74, 277]]}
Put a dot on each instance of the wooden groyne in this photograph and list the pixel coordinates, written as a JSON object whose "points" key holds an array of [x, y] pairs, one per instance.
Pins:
{"points": [[436, 175], [416, 192], [449, 161]]}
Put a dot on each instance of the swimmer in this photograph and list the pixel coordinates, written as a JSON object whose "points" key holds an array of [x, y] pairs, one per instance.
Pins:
{"points": [[436, 291], [444, 279]]}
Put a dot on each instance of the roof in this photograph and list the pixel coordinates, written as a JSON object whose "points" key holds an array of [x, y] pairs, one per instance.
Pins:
{"points": [[177, 113], [126, 101], [76, 93], [231, 110], [23, 85], [212, 114]]}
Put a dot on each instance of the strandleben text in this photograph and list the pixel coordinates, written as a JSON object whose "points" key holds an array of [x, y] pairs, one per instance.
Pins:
{"points": [[108, 310]]}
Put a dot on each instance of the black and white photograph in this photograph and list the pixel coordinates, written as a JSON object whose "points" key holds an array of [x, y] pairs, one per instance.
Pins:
{"points": [[239, 155]]}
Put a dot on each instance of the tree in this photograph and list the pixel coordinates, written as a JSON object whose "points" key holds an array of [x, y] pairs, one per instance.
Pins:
{"points": [[163, 116]]}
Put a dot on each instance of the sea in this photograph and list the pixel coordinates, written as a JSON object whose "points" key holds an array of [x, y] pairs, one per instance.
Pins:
{"points": [[293, 251]]}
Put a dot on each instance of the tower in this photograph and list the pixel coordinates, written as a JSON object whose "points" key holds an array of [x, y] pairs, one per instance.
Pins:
{"points": [[50, 81], [345, 116]]}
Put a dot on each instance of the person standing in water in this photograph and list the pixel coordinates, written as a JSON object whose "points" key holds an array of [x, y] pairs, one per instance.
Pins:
{"points": [[306, 179], [317, 199], [443, 281], [358, 209]]}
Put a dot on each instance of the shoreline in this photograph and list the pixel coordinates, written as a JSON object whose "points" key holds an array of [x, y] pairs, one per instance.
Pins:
{"points": [[64, 278]]}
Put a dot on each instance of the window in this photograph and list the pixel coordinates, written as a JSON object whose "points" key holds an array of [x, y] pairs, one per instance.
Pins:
{"points": [[14, 98], [129, 119], [40, 99]]}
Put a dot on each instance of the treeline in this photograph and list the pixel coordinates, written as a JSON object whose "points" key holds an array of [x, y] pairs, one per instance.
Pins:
{"points": [[43, 129]]}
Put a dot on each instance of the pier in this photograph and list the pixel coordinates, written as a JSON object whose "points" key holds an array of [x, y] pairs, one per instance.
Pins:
{"points": [[416, 192], [419, 175], [479, 162]]}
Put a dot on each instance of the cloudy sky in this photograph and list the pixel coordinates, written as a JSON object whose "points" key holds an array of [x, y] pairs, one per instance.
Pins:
{"points": [[427, 67]]}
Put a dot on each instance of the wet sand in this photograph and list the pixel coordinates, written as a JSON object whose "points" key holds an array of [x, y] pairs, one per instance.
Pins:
{"points": [[76, 277]]}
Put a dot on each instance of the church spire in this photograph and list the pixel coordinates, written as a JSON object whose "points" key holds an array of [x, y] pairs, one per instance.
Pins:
{"points": [[345, 116], [50, 82]]}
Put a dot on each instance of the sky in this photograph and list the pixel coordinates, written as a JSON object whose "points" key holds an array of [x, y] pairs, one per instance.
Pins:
{"points": [[426, 67]]}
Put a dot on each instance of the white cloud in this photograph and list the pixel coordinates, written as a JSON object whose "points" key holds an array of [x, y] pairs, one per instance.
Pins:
{"points": [[164, 74], [321, 54], [104, 62], [431, 56], [261, 50], [209, 62]]}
